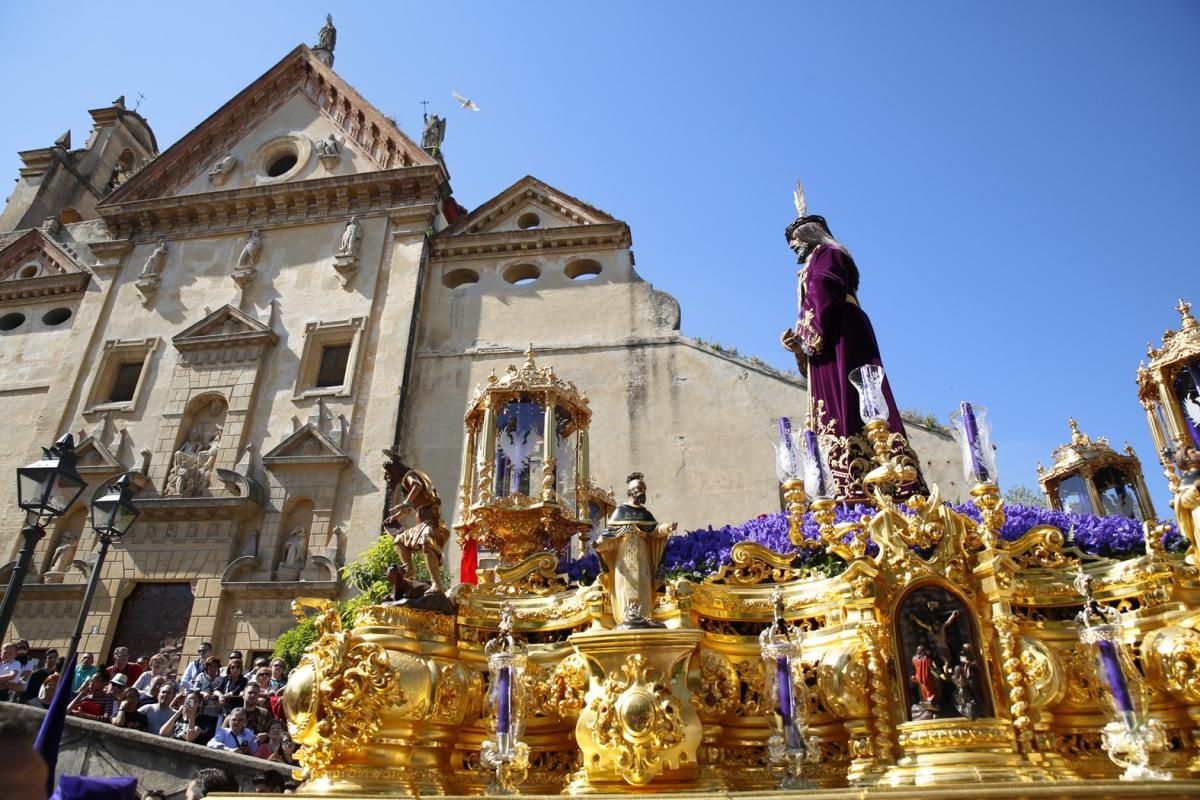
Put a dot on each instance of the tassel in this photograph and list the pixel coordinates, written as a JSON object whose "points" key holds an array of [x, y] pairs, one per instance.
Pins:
{"points": [[470, 563]]}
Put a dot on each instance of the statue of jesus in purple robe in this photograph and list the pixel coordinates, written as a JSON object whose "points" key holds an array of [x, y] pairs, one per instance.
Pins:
{"points": [[833, 335]]}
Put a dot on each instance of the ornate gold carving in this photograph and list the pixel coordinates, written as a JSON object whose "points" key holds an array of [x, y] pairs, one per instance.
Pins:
{"points": [[341, 685], [1006, 626], [414, 620], [754, 564], [637, 719], [538, 575], [946, 736], [559, 691], [1171, 657], [720, 685], [876, 642]]}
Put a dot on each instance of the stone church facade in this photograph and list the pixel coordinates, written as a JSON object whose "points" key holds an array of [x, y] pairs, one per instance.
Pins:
{"points": [[252, 317]]}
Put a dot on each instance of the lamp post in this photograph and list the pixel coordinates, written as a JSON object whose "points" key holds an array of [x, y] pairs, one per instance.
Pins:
{"points": [[113, 512], [45, 489]]}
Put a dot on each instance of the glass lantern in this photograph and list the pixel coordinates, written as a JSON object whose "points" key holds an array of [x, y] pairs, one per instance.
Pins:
{"points": [[974, 436], [872, 403], [789, 747], [524, 485], [1130, 735], [506, 752], [1169, 391], [1089, 477]]}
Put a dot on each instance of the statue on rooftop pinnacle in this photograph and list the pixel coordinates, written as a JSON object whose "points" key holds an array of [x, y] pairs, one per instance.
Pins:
{"points": [[326, 41], [630, 551], [833, 336]]}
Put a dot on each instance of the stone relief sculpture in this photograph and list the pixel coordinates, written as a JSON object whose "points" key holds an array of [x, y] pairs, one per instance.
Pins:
{"points": [[155, 261], [251, 251], [435, 132], [348, 246], [222, 170], [64, 554], [630, 550], [193, 463], [294, 547], [328, 147], [326, 41]]}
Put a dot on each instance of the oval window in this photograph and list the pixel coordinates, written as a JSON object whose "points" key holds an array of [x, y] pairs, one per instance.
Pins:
{"points": [[582, 270], [56, 316], [281, 164], [528, 221], [460, 277], [10, 321], [521, 274]]}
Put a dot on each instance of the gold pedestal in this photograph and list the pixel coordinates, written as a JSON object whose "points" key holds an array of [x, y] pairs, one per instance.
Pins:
{"points": [[638, 726], [958, 751]]}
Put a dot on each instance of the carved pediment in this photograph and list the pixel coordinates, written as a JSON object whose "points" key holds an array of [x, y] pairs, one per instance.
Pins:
{"points": [[91, 455], [227, 327], [307, 446], [33, 265], [529, 206], [213, 157]]}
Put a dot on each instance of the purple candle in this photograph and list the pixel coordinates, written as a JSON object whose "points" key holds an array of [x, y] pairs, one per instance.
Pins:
{"points": [[814, 455], [783, 688], [972, 431], [503, 701], [1114, 677]]}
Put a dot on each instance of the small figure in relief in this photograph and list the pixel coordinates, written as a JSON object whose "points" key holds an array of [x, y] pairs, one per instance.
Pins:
{"points": [[293, 548], [328, 147], [965, 677], [250, 253], [938, 632], [350, 238], [925, 676]]}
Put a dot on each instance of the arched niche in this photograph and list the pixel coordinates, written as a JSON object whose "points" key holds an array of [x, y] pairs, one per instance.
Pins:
{"points": [[295, 534], [943, 672], [197, 443]]}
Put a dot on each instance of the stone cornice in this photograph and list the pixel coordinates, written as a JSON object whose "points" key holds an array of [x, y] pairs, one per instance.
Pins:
{"points": [[48, 286], [274, 205], [490, 245]]}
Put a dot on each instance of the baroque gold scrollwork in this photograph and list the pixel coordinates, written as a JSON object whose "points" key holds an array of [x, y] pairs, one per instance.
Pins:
{"points": [[1172, 661], [637, 719], [719, 690], [336, 693]]}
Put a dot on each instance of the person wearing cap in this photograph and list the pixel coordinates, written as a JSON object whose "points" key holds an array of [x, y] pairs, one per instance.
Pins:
{"points": [[195, 668]]}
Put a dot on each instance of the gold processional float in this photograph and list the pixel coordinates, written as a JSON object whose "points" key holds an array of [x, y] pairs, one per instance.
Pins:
{"points": [[941, 655]]}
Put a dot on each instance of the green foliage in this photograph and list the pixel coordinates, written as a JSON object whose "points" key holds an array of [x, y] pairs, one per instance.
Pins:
{"points": [[367, 574], [1019, 495], [925, 419]]}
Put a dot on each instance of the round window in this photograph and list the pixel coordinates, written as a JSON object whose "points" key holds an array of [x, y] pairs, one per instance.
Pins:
{"points": [[460, 277], [281, 164], [582, 270], [56, 316], [521, 274], [10, 321], [528, 221], [28, 271]]}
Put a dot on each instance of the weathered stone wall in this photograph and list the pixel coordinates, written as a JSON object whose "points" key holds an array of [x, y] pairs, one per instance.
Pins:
{"points": [[103, 751]]}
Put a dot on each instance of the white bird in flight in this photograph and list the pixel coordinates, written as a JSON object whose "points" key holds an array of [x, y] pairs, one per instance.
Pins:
{"points": [[464, 101]]}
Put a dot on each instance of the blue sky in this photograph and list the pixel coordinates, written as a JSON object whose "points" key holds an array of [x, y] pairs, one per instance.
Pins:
{"points": [[1016, 180]]}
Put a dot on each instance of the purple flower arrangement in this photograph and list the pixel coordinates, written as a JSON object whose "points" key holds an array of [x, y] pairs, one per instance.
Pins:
{"points": [[699, 553]]}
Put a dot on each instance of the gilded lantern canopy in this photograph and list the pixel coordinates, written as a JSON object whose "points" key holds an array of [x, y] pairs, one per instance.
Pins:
{"points": [[1089, 477], [1169, 390], [525, 485]]}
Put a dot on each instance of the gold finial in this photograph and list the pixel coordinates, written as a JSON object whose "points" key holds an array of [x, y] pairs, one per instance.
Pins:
{"points": [[1074, 426], [1150, 349], [1185, 311], [529, 354], [1040, 468]]}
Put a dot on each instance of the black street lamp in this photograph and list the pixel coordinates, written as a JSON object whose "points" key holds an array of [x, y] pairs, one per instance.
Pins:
{"points": [[113, 512], [45, 489]]}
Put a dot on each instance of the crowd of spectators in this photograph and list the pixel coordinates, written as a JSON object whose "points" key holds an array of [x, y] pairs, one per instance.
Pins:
{"points": [[224, 706]]}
